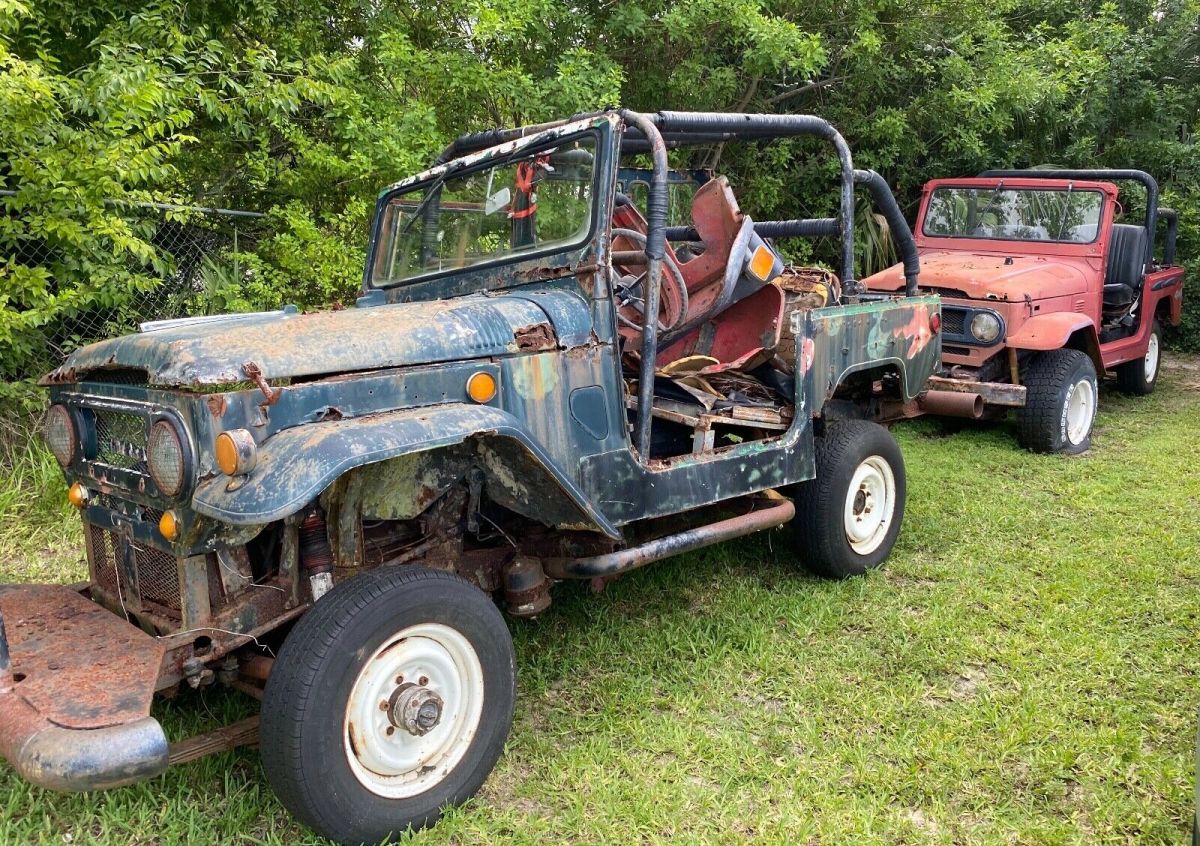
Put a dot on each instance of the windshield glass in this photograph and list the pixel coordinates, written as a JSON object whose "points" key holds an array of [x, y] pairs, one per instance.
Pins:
{"points": [[519, 206], [1015, 214]]}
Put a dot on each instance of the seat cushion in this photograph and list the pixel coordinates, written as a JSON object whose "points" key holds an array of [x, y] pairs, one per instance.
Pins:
{"points": [[1118, 295]]}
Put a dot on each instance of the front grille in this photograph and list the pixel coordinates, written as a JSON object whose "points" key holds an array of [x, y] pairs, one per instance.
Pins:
{"points": [[954, 321], [158, 576], [156, 571], [103, 557], [121, 440]]}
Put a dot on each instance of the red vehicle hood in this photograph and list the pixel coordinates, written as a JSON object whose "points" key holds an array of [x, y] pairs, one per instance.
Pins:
{"points": [[980, 276]]}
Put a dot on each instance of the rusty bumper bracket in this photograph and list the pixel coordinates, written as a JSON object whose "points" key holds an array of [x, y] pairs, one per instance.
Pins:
{"points": [[75, 688]]}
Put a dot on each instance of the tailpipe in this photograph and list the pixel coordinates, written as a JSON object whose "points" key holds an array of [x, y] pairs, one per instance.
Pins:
{"points": [[778, 512], [952, 404]]}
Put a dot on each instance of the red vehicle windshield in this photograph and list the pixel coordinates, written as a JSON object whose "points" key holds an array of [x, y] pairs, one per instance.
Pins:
{"points": [[1014, 214]]}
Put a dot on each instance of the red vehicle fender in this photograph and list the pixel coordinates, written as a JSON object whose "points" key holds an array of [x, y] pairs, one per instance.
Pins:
{"points": [[1054, 331]]}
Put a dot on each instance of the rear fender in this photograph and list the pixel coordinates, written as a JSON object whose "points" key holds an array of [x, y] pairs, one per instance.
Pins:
{"points": [[1063, 329], [296, 465], [880, 335]]}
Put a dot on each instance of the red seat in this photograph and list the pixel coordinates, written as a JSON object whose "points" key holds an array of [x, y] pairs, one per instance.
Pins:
{"points": [[717, 220]]}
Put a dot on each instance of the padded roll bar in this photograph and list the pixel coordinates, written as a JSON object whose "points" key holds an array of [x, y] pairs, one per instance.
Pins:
{"points": [[681, 125], [656, 248], [898, 226]]}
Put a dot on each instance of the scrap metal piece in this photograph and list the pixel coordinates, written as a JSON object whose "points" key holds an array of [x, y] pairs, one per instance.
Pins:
{"points": [[254, 374]]}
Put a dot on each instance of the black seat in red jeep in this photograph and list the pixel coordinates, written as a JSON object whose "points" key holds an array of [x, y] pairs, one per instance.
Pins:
{"points": [[1126, 264]]}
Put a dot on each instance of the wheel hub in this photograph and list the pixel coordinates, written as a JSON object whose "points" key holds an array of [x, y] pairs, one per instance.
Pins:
{"points": [[870, 503], [415, 708]]}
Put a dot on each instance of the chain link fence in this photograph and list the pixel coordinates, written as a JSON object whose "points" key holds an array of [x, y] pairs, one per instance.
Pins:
{"points": [[196, 244]]}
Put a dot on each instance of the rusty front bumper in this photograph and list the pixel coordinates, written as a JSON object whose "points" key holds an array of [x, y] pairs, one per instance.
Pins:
{"points": [[75, 688]]}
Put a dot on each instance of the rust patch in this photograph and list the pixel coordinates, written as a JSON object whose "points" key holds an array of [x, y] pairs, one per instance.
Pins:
{"points": [[542, 274], [79, 665], [216, 404], [535, 336]]}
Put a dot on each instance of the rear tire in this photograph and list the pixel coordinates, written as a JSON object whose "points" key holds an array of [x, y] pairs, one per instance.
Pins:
{"points": [[1139, 376], [436, 651], [848, 517], [1060, 403]]}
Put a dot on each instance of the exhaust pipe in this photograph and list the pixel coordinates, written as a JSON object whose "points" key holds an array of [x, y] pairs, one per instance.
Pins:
{"points": [[952, 404], [777, 513]]}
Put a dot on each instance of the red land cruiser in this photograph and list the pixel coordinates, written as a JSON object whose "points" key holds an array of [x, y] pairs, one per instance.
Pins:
{"points": [[1042, 290]]}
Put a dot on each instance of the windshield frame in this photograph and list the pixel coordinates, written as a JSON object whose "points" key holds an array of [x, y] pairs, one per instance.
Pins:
{"points": [[998, 185], [492, 158]]}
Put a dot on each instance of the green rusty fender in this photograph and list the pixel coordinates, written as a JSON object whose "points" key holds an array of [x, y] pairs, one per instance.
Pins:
{"points": [[298, 464]]}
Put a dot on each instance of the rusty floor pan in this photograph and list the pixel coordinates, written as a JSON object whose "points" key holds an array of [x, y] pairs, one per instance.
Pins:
{"points": [[78, 664]]}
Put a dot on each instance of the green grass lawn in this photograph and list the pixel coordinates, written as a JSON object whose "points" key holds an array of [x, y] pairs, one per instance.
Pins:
{"points": [[1023, 670]]}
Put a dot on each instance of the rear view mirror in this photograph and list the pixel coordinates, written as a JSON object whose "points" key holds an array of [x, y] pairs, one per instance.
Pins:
{"points": [[496, 202]]}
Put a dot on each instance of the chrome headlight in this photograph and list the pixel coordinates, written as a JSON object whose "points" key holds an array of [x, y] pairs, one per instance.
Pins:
{"points": [[167, 458], [985, 327], [60, 434]]}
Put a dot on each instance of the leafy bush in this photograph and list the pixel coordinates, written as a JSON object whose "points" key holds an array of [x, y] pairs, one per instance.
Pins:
{"points": [[304, 110]]}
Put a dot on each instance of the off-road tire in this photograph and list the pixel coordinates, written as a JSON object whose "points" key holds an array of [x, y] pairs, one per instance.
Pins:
{"points": [[1050, 380], [821, 538], [1131, 376], [307, 694]]}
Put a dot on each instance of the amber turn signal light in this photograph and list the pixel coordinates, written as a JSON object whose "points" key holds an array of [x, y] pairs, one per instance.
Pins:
{"points": [[481, 387], [762, 263], [168, 525], [236, 452], [77, 495]]}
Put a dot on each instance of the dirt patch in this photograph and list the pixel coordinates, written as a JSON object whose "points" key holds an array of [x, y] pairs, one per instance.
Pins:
{"points": [[962, 686]]}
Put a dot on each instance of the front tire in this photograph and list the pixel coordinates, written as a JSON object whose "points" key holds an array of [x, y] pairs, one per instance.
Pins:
{"points": [[1139, 376], [1060, 403], [848, 517], [390, 700]]}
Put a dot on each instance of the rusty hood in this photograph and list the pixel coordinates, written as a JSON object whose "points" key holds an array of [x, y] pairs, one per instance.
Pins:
{"points": [[980, 276], [288, 345]]}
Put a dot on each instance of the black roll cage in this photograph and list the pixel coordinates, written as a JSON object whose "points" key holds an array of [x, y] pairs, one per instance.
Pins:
{"points": [[1153, 212], [654, 134]]}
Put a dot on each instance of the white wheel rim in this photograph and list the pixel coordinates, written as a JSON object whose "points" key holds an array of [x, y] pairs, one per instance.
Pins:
{"points": [[1081, 406], [870, 505], [398, 764], [1151, 360]]}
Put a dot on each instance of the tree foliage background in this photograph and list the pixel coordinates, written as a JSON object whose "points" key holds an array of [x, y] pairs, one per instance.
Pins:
{"points": [[305, 109]]}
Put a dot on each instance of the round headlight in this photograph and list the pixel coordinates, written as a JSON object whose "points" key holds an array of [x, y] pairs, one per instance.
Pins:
{"points": [[985, 327], [60, 435], [166, 459]]}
